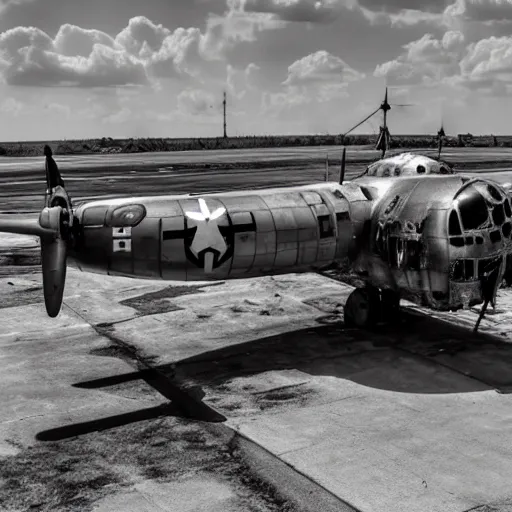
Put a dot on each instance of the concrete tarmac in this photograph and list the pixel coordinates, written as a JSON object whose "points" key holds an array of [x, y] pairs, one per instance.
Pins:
{"points": [[415, 418]]}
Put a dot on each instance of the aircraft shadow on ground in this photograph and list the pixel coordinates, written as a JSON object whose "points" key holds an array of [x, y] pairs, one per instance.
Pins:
{"points": [[87, 427], [184, 402], [419, 355]]}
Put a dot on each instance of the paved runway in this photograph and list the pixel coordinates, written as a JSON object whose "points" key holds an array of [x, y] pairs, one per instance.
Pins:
{"points": [[22, 180]]}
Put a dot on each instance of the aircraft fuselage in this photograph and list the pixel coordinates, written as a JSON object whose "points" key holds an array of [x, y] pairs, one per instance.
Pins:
{"points": [[400, 235]]}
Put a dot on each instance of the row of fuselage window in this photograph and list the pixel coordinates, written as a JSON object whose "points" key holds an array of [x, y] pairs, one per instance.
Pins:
{"points": [[470, 269], [495, 236]]}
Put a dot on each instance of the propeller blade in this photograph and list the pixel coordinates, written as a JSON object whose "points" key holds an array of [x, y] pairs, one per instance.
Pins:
{"points": [[53, 260], [343, 161], [57, 217]]}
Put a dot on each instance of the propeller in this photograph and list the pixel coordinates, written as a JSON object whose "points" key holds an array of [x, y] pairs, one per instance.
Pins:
{"points": [[55, 218]]}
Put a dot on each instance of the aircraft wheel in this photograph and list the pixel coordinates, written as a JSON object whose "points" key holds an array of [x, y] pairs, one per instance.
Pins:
{"points": [[390, 306], [362, 308]]}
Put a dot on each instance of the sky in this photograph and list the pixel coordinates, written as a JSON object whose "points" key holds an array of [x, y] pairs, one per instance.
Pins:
{"points": [[158, 68]]}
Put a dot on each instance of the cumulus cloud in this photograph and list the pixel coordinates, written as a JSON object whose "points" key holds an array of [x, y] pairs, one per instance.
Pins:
{"points": [[485, 65], [395, 6], [425, 61], [394, 12], [236, 25], [89, 58], [481, 10], [320, 67], [450, 13], [318, 11], [241, 81], [318, 77], [73, 41], [29, 57]]}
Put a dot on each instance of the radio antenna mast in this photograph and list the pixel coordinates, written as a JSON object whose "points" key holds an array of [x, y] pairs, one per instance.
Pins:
{"points": [[224, 105]]}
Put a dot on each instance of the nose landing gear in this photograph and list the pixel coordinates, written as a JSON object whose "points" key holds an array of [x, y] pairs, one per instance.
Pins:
{"points": [[366, 307]]}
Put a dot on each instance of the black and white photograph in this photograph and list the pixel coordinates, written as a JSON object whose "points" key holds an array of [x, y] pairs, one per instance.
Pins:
{"points": [[255, 256]]}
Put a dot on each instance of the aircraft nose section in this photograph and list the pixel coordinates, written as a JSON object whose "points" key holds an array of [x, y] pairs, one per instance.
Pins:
{"points": [[482, 214], [480, 229]]}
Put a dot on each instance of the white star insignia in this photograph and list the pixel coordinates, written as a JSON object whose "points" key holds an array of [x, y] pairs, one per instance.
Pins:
{"points": [[208, 235]]}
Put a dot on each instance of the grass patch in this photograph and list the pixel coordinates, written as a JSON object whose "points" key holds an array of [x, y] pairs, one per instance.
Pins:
{"points": [[71, 475]]}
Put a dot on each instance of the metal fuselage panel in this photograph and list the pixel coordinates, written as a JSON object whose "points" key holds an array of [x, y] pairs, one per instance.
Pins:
{"points": [[219, 236]]}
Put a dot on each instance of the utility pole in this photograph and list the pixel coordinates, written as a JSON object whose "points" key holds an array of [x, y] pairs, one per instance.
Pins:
{"points": [[224, 104]]}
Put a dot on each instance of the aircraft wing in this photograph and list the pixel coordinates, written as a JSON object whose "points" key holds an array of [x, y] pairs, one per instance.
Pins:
{"points": [[22, 225]]}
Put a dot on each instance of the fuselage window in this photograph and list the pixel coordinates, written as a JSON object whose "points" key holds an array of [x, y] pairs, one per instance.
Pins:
{"points": [[454, 224], [498, 215], [494, 193], [495, 236], [473, 209], [508, 212], [462, 270], [421, 169], [326, 228], [457, 241]]}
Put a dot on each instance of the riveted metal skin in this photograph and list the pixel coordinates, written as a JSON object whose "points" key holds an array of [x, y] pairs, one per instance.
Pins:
{"points": [[394, 233]]}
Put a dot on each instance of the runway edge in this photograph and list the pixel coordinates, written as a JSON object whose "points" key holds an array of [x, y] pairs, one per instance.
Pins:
{"points": [[304, 493]]}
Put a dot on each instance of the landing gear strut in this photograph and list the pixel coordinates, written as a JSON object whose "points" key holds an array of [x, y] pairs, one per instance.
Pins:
{"points": [[368, 306]]}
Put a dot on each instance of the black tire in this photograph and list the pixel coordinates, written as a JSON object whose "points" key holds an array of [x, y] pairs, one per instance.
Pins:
{"points": [[362, 308], [390, 306]]}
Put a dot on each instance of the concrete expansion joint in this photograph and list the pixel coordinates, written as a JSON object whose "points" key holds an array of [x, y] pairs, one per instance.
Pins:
{"points": [[291, 484]]}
